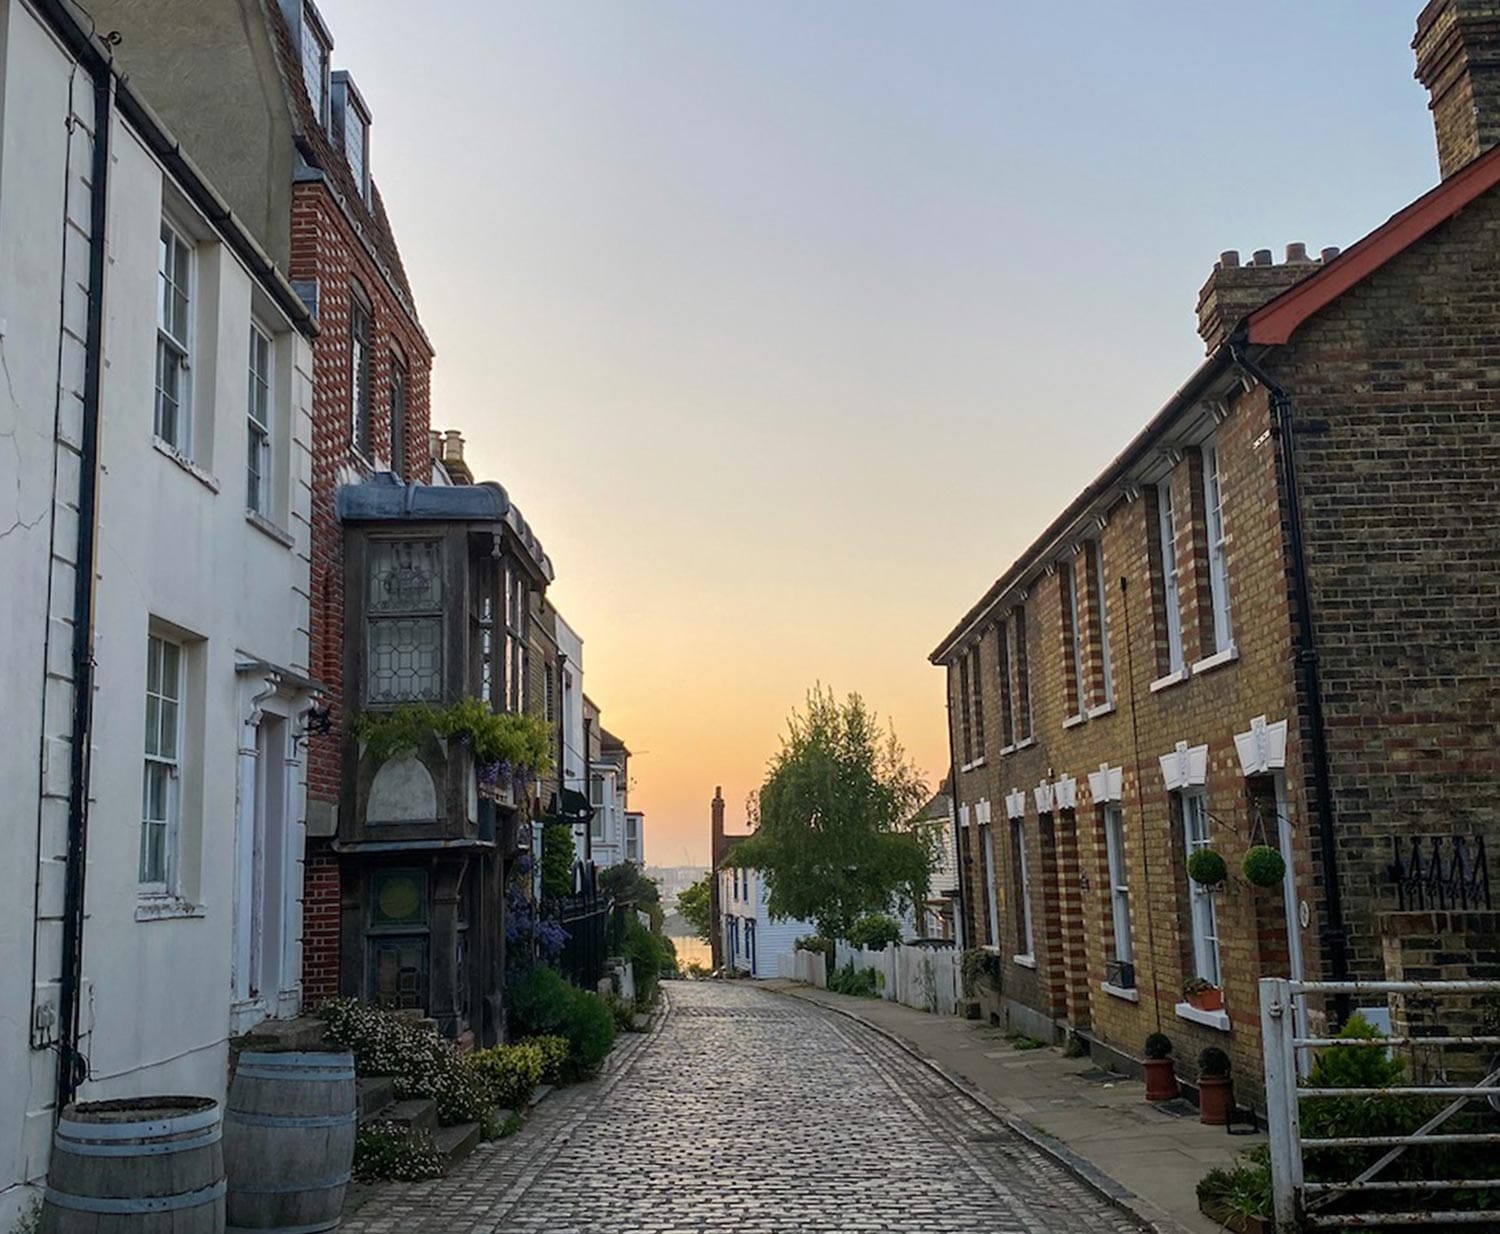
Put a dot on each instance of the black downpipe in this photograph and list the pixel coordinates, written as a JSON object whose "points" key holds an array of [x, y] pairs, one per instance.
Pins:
{"points": [[1335, 933], [958, 832], [72, 1067]]}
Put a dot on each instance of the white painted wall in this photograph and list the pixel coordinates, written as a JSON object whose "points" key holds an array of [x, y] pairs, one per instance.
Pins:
{"points": [[175, 548], [570, 716], [749, 902]]}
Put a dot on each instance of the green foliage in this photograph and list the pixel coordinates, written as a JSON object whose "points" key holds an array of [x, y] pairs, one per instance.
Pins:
{"points": [[694, 905], [1207, 867], [1263, 867], [1024, 1041], [1158, 1045], [625, 884], [557, 861], [1197, 985], [875, 931], [1229, 1196], [512, 1072], [650, 955], [835, 839], [554, 1051], [980, 967], [388, 1151], [860, 982], [1213, 1062], [622, 1010], [824, 947], [543, 1004], [507, 1126], [520, 740], [29, 1220], [421, 1063]]}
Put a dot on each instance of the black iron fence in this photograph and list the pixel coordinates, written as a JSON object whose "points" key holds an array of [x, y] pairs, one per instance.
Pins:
{"points": [[585, 917], [1441, 872]]}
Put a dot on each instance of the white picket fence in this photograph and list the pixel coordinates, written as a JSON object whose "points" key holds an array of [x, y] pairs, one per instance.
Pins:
{"points": [[808, 967], [926, 978]]}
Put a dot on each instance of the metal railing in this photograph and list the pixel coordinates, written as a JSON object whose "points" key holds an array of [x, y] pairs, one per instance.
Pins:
{"points": [[1440, 872], [1297, 1200]]}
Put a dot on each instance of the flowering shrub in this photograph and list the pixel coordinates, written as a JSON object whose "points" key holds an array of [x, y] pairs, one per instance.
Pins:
{"points": [[421, 1062], [554, 1051], [511, 1071], [524, 926], [387, 1151]]}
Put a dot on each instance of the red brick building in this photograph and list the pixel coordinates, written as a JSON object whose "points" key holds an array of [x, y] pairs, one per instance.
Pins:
{"points": [[1271, 621]]}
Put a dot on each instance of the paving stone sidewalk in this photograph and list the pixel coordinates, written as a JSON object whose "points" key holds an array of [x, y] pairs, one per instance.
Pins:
{"points": [[1152, 1154], [748, 1112]]}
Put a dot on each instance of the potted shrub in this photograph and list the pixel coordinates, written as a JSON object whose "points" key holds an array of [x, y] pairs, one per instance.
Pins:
{"points": [[1161, 1077], [1215, 1097], [1207, 867], [1203, 995], [1263, 867]]}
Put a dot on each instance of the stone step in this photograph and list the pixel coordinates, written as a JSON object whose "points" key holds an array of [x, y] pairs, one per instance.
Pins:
{"points": [[303, 1033], [415, 1114], [372, 1094], [538, 1095], [457, 1142]]}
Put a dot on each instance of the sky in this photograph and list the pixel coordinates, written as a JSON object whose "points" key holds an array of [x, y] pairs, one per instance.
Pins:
{"points": [[789, 324]]}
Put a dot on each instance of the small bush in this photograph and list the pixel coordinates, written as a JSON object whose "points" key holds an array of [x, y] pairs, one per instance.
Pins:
{"points": [[543, 1004], [816, 943], [1263, 866], [980, 968], [1207, 867], [1158, 1045], [860, 982], [554, 1052], [512, 1072], [622, 1011], [1023, 1041], [1231, 1195], [386, 1151], [509, 1125], [1213, 1062], [650, 955], [875, 931]]}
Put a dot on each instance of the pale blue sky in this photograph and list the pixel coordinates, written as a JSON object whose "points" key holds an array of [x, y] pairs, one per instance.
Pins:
{"points": [[790, 324]]}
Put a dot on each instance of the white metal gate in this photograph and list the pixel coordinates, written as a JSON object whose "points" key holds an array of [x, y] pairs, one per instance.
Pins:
{"points": [[1297, 1202]]}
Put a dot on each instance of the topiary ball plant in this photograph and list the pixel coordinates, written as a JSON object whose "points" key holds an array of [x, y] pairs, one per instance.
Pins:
{"points": [[1264, 866], [1207, 867], [1213, 1061], [1158, 1045]]}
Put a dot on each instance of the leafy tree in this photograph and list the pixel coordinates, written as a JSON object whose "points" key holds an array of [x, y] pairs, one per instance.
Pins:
{"points": [[627, 884], [557, 861], [694, 905], [834, 840]]}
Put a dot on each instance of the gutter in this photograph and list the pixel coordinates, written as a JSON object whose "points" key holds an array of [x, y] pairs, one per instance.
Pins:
{"points": [[1283, 428]]}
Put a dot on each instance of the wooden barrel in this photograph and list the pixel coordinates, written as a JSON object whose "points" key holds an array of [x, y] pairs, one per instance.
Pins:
{"points": [[289, 1140], [138, 1166]]}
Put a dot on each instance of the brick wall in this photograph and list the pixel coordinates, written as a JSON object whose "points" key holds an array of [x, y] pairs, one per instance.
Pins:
{"points": [[325, 248]]}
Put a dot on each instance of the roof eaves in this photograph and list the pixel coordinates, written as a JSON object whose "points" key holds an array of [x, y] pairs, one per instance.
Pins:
{"points": [[1102, 487]]}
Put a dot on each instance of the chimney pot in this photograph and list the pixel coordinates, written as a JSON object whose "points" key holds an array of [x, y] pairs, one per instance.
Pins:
{"points": [[1330, 253], [1262, 257], [1229, 259], [1296, 253]]}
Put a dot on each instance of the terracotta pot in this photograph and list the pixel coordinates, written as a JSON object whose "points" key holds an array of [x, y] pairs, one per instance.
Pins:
{"points": [[1207, 1000], [1215, 1099], [1161, 1080]]}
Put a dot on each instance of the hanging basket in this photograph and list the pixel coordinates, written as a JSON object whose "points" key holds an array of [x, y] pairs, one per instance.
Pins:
{"points": [[1264, 867], [1206, 867]]}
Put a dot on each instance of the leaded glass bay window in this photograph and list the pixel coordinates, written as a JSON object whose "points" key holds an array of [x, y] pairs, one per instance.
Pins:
{"points": [[404, 622]]}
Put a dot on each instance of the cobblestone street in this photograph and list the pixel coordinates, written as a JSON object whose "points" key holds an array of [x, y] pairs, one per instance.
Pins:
{"points": [[746, 1111]]}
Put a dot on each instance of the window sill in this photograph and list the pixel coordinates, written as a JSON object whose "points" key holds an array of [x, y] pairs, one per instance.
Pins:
{"points": [[974, 766], [1024, 744], [198, 473], [1103, 709], [1218, 1020], [1228, 656], [1171, 679], [166, 908], [1074, 721], [1115, 991], [1025, 961], [266, 527]]}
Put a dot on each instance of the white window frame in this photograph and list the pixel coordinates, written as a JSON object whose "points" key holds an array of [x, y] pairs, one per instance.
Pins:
{"points": [[259, 454], [164, 759], [1171, 595], [993, 925], [1023, 878], [1101, 602], [1218, 547], [1080, 684], [1119, 882], [1202, 907], [312, 28], [172, 348], [359, 166], [361, 376]]}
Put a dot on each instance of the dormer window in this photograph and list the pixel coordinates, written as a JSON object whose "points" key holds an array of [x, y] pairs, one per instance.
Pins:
{"points": [[317, 49], [351, 119]]}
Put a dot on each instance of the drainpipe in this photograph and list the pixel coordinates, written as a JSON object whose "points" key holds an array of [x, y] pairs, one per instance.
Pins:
{"points": [[958, 848], [1282, 426], [72, 1067]]}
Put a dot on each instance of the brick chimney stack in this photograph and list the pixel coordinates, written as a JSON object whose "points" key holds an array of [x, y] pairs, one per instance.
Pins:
{"points": [[717, 814], [1233, 291], [1458, 60]]}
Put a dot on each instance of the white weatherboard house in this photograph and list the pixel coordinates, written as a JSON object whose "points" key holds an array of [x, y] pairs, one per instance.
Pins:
{"points": [[752, 939], [155, 410]]}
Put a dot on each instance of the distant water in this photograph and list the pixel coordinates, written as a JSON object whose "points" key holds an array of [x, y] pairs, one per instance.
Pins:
{"points": [[692, 950]]}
